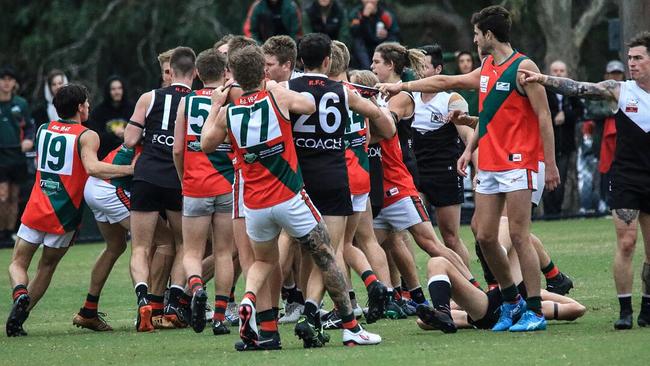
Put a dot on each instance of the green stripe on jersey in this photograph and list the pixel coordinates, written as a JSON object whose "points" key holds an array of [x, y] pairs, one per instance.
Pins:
{"points": [[222, 163], [495, 98], [281, 169], [52, 187]]}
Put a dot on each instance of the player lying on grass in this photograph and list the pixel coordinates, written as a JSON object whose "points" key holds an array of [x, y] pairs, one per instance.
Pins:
{"points": [[476, 308]]}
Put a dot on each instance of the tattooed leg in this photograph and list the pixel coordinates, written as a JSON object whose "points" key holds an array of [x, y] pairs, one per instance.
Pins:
{"points": [[320, 248], [627, 215]]}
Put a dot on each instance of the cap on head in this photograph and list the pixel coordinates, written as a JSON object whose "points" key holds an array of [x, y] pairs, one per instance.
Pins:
{"points": [[615, 66], [8, 71]]}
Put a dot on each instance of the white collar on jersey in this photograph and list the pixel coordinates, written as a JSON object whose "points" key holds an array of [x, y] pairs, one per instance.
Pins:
{"points": [[315, 74], [181, 84]]}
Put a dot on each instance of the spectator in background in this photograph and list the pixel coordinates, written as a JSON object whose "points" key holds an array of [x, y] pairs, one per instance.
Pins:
{"points": [[47, 113], [16, 138], [565, 113], [268, 18], [110, 117], [328, 17], [601, 113], [465, 65], [370, 25]]}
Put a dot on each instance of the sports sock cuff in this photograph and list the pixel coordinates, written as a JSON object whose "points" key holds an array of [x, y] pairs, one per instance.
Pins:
{"points": [[548, 268], [510, 293], [311, 308], [251, 296], [137, 285], [290, 287], [534, 303], [620, 296], [440, 277], [266, 315], [352, 294], [92, 298], [176, 287], [18, 290], [368, 277], [194, 282]]}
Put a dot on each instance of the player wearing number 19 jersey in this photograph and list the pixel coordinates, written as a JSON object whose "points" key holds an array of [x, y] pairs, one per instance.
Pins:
{"points": [[66, 155]]}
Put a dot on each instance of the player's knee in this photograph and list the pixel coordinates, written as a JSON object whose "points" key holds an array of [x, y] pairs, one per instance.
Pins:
{"points": [[486, 239], [449, 237], [437, 265], [166, 249], [626, 246]]}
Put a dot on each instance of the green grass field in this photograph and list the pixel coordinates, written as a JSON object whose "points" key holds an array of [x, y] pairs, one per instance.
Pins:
{"points": [[581, 248]]}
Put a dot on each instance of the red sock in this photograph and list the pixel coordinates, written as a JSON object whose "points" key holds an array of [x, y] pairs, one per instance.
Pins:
{"points": [[251, 296], [19, 290], [368, 278], [195, 283], [552, 273], [220, 303]]}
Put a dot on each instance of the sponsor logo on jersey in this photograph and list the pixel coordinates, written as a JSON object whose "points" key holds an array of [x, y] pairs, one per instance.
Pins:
{"points": [[484, 83], [392, 192], [632, 105], [501, 86], [514, 157], [167, 140], [194, 146], [251, 157], [374, 152], [319, 144], [49, 187]]}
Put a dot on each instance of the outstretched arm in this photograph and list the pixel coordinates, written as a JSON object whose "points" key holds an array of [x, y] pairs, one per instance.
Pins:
{"points": [[434, 84], [89, 143], [608, 89]]}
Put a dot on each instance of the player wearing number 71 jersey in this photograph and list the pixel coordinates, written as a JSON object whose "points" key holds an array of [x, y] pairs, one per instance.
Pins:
{"points": [[66, 156], [261, 137]]}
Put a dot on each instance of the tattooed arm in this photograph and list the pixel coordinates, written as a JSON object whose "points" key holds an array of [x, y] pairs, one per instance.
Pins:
{"points": [[608, 89]]}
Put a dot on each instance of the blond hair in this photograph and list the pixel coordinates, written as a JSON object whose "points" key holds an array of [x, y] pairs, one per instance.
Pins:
{"points": [[401, 57], [340, 58], [364, 77]]}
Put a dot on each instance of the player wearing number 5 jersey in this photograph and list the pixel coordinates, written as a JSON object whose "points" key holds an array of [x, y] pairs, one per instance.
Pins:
{"points": [[66, 156], [207, 194], [274, 200], [156, 186]]}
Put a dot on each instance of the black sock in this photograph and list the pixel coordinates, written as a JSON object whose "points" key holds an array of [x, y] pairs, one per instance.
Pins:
{"points": [[231, 298], [353, 295], [625, 303], [510, 294], [89, 310], [290, 293], [397, 293], [298, 297], [645, 303], [440, 292], [487, 273], [268, 324], [534, 304], [311, 311], [349, 321], [175, 294], [276, 312], [417, 295], [141, 292]]}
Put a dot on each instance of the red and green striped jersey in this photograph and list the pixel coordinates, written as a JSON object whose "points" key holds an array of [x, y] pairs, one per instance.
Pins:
{"points": [[55, 204], [204, 175], [508, 127], [263, 142], [122, 155], [356, 154]]}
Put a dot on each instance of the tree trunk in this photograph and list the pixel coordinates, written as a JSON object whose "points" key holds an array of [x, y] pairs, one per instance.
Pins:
{"points": [[634, 15]]}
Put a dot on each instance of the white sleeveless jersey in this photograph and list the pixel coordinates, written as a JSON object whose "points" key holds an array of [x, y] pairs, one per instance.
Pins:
{"points": [[634, 102], [429, 116]]}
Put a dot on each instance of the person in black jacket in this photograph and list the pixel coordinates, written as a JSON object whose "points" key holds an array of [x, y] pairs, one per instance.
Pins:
{"points": [[326, 16], [110, 117], [565, 112], [370, 25]]}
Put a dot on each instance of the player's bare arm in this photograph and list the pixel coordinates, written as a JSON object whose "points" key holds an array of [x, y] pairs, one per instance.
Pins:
{"points": [[434, 84], [133, 131], [466, 157], [179, 139], [607, 90], [213, 132], [537, 97], [89, 142], [320, 248], [381, 124], [291, 101], [401, 106]]}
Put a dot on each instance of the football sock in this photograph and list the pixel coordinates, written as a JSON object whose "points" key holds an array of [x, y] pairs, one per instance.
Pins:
{"points": [[350, 322], [175, 293], [195, 283], [18, 290], [157, 304], [625, 302], [90, 306], [141, 289], [440, 291], [487, 273], [534, 304], [510, 293], [299, 298], [397, 293], [550, 271], [417, 295], [231, 297], [251, 296], [311, 311], [220, 304], [290, 294], [268, 324], [368, 278]]}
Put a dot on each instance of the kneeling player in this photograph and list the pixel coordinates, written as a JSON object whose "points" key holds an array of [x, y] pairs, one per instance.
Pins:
{"points": [[66, 156], [261, 137]]}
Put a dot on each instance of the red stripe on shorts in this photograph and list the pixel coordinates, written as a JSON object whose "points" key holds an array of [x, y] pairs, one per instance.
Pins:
{"points": [[123, 197], [424, 216], [313, 209]]}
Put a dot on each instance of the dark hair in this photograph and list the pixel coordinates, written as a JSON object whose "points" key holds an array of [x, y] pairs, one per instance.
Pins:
{"points": [[182, 61], [641, 39], [401, 57], [67, 100], [210, 65], [247, 66], [107, 90], [313, 48], [435, 51], [283, 48], [495, 19]]}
